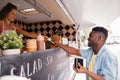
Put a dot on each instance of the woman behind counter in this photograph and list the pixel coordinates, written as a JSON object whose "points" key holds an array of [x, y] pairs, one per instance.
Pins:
{"points": [[7, 16]]}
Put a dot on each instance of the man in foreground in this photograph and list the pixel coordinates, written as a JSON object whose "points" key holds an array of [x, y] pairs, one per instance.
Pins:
{"points": [[101, 63]]}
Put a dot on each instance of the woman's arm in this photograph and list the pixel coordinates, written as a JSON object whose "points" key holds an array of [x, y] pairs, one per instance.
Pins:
{"points": [[25, 33]]}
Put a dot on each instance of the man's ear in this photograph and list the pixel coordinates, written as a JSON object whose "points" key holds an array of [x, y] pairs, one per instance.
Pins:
{"points": [[99, 37]]}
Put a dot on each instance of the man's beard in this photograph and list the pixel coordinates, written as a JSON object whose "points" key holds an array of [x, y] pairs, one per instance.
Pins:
{"points": [[89, 45]]}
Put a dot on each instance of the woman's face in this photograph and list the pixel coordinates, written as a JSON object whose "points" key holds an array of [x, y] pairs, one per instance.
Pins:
{"points": [[12, 15]]}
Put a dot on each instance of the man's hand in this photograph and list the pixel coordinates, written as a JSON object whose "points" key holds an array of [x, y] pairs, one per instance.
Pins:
{"points": [[80, 70], [90, 74]]}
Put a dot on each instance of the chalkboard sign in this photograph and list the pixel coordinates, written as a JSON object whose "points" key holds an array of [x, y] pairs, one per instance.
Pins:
{"points": [[51, 64]]}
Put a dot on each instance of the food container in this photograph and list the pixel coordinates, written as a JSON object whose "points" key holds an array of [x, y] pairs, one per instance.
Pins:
{"points": [[31, 45]]}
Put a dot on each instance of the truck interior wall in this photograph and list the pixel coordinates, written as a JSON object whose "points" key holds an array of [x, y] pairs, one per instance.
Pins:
{"points": [[48, 28]]}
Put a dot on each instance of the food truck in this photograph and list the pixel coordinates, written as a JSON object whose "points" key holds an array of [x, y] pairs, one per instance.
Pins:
{"points": [[66, 18]]}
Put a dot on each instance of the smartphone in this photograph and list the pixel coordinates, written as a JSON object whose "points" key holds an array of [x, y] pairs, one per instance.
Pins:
{"points": [[78, 60]]}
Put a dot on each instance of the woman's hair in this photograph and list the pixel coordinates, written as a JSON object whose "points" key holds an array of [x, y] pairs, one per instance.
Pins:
{"points": [[6, 9]]}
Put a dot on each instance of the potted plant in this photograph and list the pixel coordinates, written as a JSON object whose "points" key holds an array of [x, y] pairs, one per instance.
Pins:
{"points": [[10, 42]]}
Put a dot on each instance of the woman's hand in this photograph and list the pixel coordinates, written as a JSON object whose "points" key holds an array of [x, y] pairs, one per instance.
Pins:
{"points": [[45, 38]]}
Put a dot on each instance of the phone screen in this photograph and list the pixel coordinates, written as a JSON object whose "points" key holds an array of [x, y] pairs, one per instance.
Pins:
{"points": [[78, 60]]}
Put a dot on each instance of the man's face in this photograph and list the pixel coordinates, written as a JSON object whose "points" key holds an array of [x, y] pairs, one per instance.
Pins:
{"points": [[93, 38]]}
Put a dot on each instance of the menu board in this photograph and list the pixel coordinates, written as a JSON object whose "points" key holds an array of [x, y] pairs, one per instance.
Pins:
{"points": [[51, 64]]}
